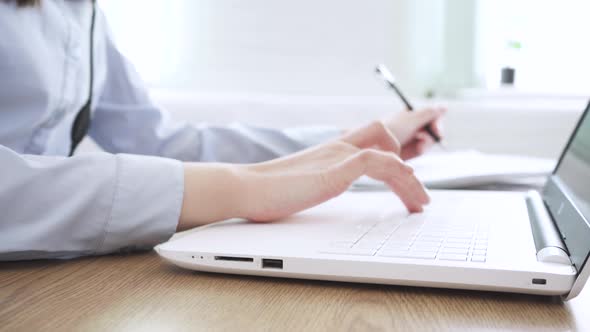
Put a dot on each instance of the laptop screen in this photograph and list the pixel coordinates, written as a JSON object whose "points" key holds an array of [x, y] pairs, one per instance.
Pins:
{"points": [[574, 168], [567, 193]]}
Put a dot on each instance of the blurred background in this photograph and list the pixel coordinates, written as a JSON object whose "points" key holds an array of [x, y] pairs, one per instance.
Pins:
{"points": [[329, 47], [312, 61]]}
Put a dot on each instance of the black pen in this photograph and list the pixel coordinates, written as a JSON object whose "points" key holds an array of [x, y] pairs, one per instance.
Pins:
{"points": [[388, 77]]}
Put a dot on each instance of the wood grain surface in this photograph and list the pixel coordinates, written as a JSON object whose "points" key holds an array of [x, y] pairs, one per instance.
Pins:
{"points": [[139, 292]]}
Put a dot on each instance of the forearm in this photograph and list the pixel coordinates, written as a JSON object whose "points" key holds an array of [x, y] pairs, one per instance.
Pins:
{"points": [[89, 204], [212, 192]]}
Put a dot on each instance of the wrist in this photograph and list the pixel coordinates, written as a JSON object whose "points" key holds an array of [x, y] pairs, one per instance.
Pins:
{"points": [[212, 192]]}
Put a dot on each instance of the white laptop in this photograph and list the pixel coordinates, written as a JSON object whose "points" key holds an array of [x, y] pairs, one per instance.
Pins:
{"points": [[482, 240]]}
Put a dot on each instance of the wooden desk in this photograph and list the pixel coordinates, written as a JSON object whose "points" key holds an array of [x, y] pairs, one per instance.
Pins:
{"points": [[139, 292]]}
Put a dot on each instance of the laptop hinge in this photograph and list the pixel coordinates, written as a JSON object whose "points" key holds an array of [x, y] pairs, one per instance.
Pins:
{"points": [[548, 242]]}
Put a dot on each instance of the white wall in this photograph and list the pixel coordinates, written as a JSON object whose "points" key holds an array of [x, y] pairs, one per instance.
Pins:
{"points": [[287, 47], [303, 47]]}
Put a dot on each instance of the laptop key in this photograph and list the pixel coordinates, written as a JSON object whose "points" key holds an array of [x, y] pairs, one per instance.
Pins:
{"points": [[462, 251], [380, 238], [396, 248], [479, 252], [452, 257], [457, 245], [350, 237], [367, 244], [341, 244], [461, 236], [419, 247], [429, 240], [384, 228], [455, 240], [480, 259], [407, 254], [423, 250], [430, 233], [361, 251], [482, 237], [397, 243], [364, 226], [427, 243]]}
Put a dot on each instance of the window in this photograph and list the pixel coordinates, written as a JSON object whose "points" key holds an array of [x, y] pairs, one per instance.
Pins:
{"points": [[554, 53]]}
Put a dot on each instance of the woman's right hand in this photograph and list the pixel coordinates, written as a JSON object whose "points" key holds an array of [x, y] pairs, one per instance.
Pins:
{"points": [[278, 188]]}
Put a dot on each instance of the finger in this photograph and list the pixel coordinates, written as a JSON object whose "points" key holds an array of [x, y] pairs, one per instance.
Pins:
{"points": [[427, 115], [422, 141], [423, 136], [410, 190], [437, 127], [374, 134], [423, 145], [388, 168], [416, 148], [404, 193]]}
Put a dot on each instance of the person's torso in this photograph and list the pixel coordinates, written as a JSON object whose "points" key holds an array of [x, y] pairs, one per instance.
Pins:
{"points": [[44, 72]]}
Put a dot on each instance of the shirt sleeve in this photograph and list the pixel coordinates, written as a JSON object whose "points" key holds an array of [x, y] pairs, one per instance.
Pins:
{"points": [[56, 207], [126, 120]]}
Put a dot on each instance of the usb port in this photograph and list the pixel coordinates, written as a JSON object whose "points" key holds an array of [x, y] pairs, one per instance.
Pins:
{"points": [[268, 263]]}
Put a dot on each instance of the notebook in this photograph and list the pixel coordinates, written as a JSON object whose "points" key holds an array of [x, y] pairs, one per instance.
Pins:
{"points": [[469, 168]]}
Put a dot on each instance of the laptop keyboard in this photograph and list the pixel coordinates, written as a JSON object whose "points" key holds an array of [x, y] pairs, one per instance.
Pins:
{"points": [[416, 237]]}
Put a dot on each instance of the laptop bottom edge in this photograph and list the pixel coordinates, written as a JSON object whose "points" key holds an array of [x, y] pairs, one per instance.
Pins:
{"points": [[402, 272]]}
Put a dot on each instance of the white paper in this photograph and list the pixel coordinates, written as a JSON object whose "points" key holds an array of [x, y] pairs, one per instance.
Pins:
{"points": [[470, 168]]}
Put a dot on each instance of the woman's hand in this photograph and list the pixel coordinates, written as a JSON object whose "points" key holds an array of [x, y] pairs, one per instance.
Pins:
{"points": [[278, 188], [408, 127]]}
